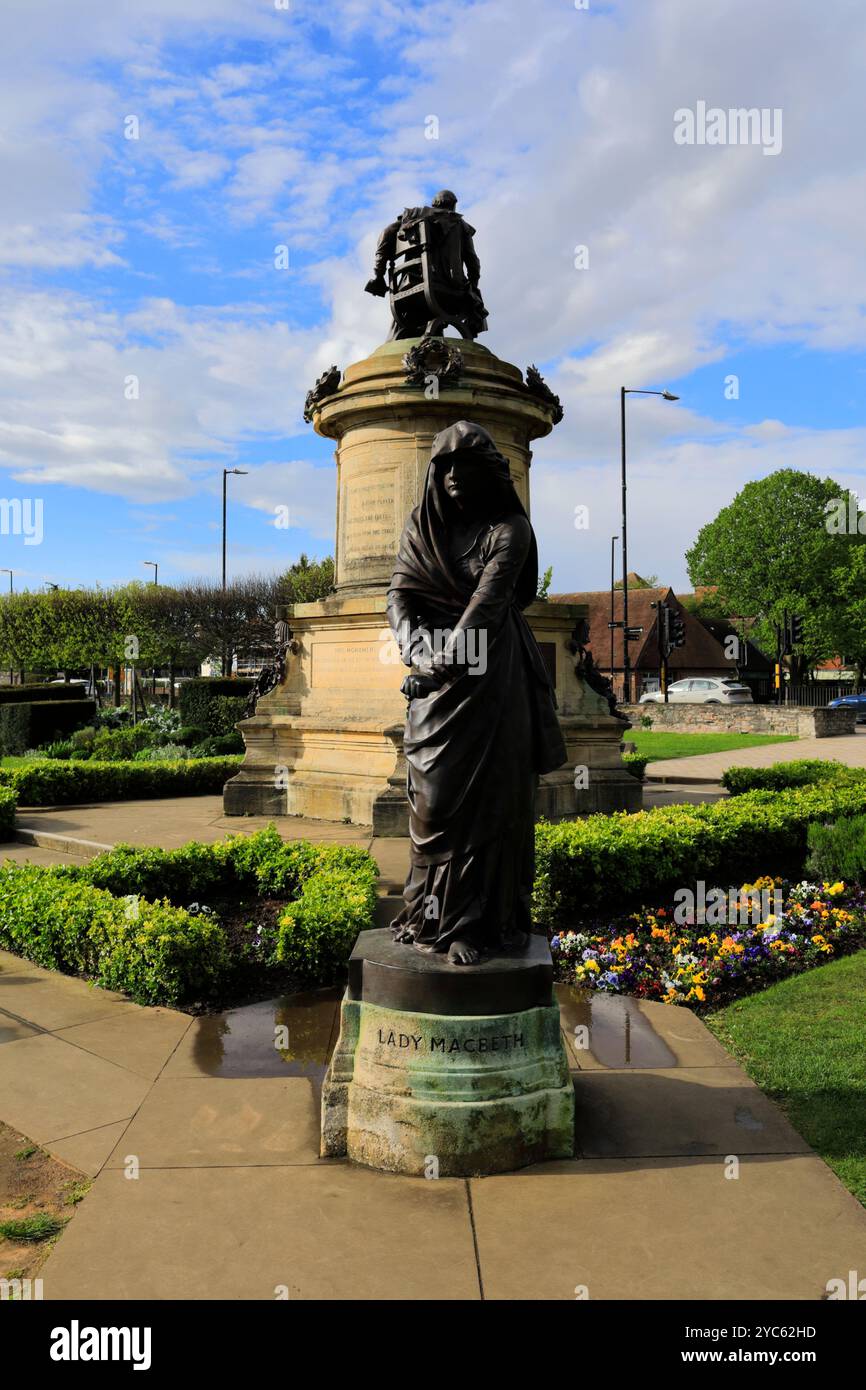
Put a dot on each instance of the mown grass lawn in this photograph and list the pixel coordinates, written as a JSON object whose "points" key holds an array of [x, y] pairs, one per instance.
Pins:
{"points": [[804, 1042], [663, 744]]}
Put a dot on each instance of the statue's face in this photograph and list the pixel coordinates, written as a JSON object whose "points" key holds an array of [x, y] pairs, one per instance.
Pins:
{"points": [[465, 480]]}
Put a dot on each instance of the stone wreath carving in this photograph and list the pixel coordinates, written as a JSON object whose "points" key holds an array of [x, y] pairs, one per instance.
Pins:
{"points": [[325, 386], [433, 357], [537, 386]]}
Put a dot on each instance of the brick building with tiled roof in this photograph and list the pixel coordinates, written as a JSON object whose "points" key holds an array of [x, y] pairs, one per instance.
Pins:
{"points": [[702, 655]]}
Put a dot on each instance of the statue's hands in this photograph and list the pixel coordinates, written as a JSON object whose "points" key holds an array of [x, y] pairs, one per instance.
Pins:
{"points": [[377, 286], [416, 687], [418, 652], [430, 669]]}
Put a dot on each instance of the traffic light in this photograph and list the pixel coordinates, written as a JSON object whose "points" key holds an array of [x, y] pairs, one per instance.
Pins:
{"points": [[797, 635], [665, 629], [676, 628]]}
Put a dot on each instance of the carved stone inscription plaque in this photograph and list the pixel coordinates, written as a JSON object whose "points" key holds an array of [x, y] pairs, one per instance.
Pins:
{"points": [[371, 522], [366, 665]]}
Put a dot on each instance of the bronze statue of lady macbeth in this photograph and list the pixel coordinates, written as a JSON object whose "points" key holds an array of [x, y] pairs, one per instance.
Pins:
{"points": [[481, 722]]}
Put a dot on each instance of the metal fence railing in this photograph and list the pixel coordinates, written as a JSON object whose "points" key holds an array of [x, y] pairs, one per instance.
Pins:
{"points": [[810, 693]]}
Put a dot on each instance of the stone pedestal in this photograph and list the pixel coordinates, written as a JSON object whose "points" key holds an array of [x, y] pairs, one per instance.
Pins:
{"points": [[327, 744], [384, 430], [444, 1070]]}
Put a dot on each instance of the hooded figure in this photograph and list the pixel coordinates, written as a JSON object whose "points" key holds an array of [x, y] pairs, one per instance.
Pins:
{"points": [[481, 723]]}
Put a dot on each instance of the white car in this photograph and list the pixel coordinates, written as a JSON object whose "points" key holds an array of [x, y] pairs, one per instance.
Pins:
{"points": [[703, 691]]}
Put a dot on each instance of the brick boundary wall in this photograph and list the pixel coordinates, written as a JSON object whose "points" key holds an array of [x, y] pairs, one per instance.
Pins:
{"points": [[805, 721]]}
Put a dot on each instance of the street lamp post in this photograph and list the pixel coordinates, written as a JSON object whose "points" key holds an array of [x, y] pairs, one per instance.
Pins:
{"points": [[626, 660], [242, 472], [155, 567], [226, 471], [613, 541]]}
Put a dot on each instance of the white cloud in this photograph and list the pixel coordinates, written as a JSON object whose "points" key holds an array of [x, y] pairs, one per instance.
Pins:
{"points": [[556, 131], [673, 489], [205, 381], [294, 495]]}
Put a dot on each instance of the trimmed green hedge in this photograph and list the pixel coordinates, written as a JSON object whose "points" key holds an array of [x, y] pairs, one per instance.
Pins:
{"points": [[801, 772], [54, 783], [224, 712], [22, 694], [218, 747], [8, 800], [123, 918], [214, 703], [115, 745], [29, 723], [606, 863], [188, 736], [263, 863], [316, 933], [837, 851], [155, 953], [636, 764]]}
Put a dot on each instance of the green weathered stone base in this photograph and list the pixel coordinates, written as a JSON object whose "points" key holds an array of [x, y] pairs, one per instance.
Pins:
{"points": [[459, 1097]]}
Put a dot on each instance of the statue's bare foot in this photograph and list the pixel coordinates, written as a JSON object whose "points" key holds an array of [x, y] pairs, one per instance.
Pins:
{"points": [[405, 935], [463, 953]]}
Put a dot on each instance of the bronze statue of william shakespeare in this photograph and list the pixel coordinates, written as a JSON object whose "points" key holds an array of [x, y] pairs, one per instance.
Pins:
{"points": [[426, 260], [481, 722]]}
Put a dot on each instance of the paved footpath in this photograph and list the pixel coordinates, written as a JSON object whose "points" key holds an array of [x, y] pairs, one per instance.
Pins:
{"points": [[47, 835], [64, 833], [708, 767], [203, 1142]]}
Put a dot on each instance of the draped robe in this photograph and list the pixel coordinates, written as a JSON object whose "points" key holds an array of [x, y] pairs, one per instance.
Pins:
{"points": [[476, 745]]}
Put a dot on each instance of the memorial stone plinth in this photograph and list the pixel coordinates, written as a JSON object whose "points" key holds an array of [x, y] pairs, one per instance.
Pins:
{"points": [[444, 1070], [384, 428], [327, 743]]}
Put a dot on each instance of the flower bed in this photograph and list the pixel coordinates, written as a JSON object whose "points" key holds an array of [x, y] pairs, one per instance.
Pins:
{"points": [[677, 958], [585, 866], [281, 913]]}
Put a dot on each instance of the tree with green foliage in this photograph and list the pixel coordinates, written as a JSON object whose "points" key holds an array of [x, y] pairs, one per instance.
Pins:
{"points": [[773, 549], [153, 625], [705, 605], [845, 623], [307, 580], [639, 581]]}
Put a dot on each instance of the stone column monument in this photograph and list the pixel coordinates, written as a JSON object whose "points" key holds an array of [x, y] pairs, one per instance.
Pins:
{"points": [[326, 743]]}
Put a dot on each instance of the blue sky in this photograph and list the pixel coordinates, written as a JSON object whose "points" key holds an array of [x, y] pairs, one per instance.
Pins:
{"points": [[307, 126]]}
